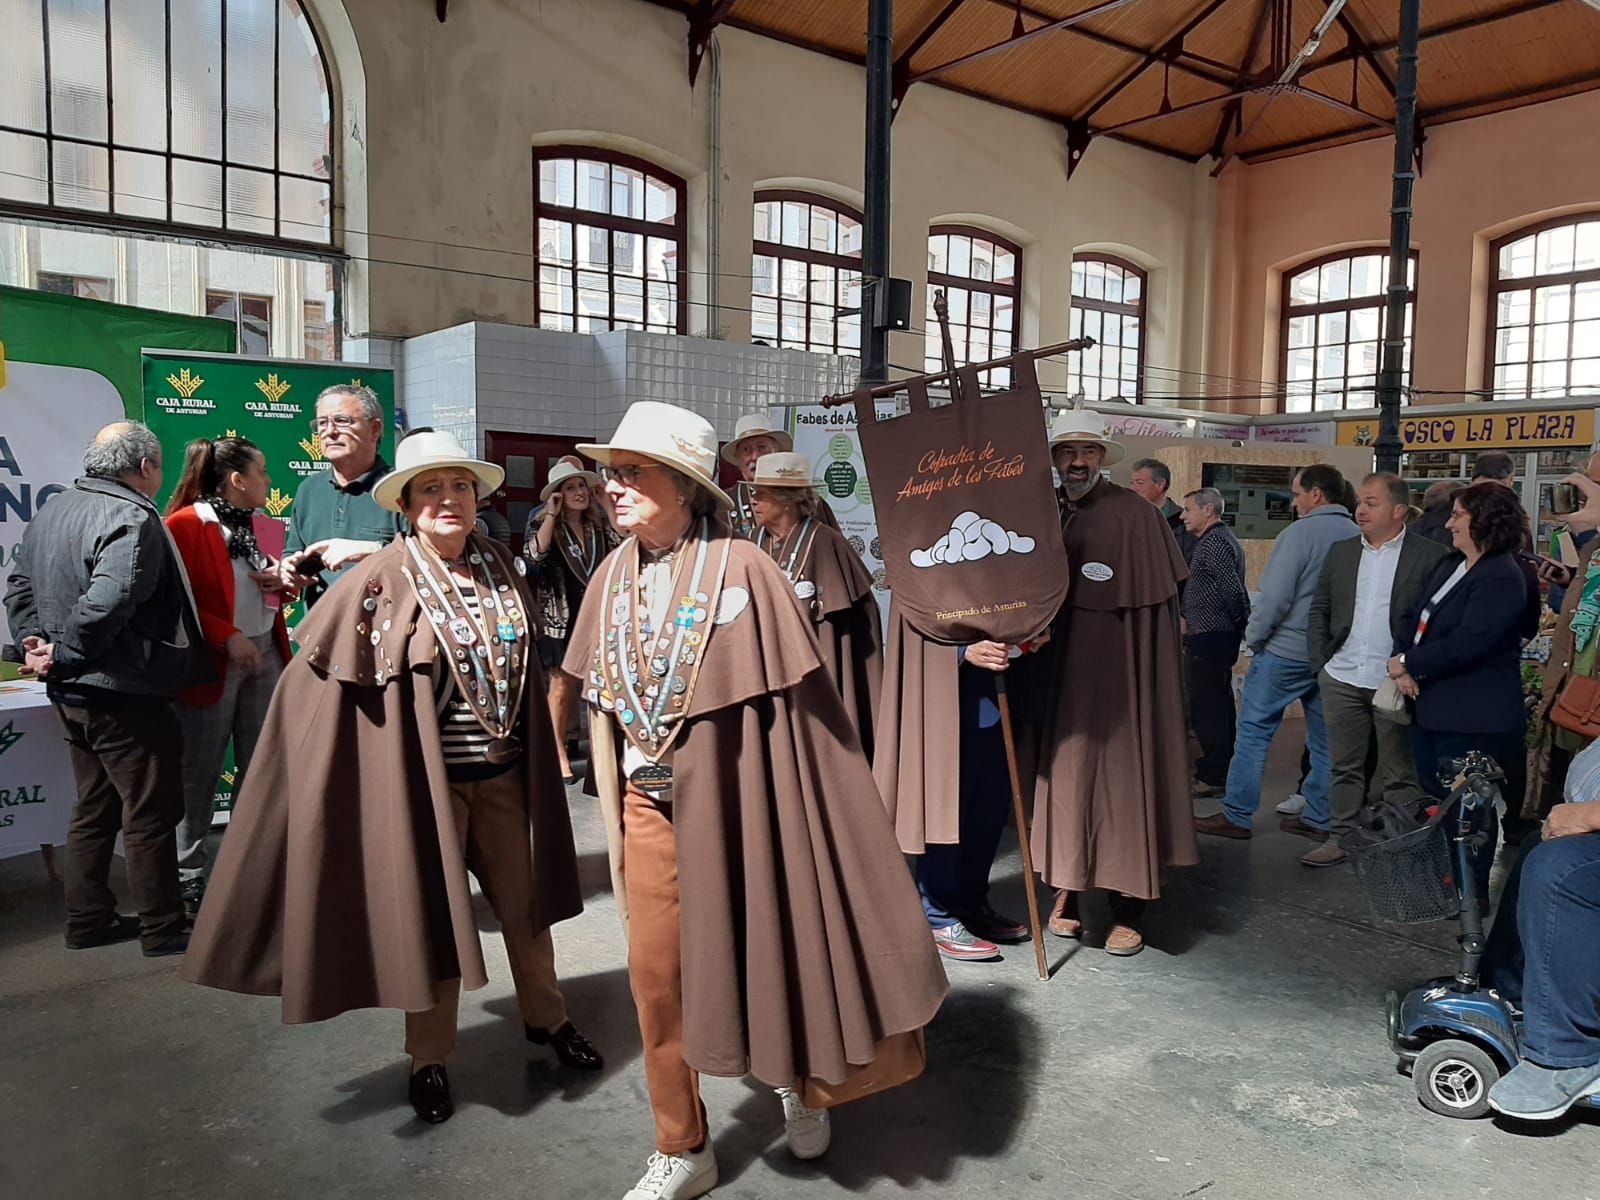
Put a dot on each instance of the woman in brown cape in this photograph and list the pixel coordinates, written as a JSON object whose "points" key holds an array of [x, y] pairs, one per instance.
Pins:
{"points": [[570, 539], [773, 929], [831, 584], [407, 742]]}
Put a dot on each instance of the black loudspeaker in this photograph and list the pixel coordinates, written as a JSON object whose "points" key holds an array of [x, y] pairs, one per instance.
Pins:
{"points": [[891, 305]]}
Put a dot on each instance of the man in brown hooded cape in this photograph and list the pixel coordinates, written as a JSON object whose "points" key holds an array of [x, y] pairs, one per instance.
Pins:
{"points": [[1112, 805]]}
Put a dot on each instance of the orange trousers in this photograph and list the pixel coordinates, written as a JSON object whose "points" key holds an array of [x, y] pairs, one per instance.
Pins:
{"points": [[655, 970]]}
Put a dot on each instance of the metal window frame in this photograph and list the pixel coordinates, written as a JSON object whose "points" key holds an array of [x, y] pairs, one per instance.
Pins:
{"points": [[836, 260], [1531, 284], [1288, 311], [677, 231], [947, 280], [1139, 311], [110, 218]]}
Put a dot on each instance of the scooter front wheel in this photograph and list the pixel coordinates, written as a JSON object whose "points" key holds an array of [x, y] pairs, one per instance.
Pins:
{"points": [[1453, 1078]]}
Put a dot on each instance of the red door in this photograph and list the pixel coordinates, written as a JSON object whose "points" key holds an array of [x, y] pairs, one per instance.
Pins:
{"points": [[527, 460]]}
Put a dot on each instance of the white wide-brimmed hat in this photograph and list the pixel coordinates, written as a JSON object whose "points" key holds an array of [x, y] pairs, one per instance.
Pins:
{"points": [[755, 425], [783, 470], [429, 451], [675, 436], [564, 471], [1085, 425]]}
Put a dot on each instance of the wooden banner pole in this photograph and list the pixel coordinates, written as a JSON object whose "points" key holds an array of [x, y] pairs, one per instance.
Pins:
{"points": [[899, 385], [1021, 815]]}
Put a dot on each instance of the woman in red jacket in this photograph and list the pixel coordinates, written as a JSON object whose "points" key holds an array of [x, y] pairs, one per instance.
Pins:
{"points": [[211, 518]]}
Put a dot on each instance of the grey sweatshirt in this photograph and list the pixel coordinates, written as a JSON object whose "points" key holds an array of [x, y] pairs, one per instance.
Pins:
{"points": [[1283, 608]]}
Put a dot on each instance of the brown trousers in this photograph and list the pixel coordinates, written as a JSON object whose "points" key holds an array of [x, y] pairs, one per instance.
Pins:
{"points": [[493, 827], [655, 970], [127, 760]]}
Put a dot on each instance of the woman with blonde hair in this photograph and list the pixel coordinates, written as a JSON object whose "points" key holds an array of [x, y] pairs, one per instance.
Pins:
{"points": [[572, 536]]}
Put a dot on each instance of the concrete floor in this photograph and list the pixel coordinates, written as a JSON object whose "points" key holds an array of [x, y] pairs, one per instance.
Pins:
{"points": [[1242, 1056]]}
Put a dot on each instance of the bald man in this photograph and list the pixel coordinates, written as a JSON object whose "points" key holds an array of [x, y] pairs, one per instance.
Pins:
{"points": [[100, 610]]}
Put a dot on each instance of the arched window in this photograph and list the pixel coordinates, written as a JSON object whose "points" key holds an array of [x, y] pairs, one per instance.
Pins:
{"points": [[1108, 297], [981, 275], [611, 245], [806, 264], [1332, 334], [190, 115], [1544, 334]]}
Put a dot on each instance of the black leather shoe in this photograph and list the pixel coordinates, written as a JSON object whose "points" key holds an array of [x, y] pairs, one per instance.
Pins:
{"points": [[173, 945], [194, 891], [571, 1047], [430, 1095], [118, 929]]}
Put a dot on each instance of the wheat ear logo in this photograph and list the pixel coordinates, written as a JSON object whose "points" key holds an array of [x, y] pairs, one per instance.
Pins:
{"points": [[277, 503], [313, 447], [8, 737], [272, 387], [186, 382]]}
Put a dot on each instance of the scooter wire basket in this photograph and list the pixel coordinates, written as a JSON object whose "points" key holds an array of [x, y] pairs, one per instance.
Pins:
{"points": [[1408, 879]]}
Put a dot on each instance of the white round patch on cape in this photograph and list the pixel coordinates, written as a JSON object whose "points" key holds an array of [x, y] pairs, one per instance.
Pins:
{"points": [[1096, 571], [733, 602]]}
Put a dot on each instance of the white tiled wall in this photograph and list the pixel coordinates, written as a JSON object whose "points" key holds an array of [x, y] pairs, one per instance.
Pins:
{"points": [[478, 377]]}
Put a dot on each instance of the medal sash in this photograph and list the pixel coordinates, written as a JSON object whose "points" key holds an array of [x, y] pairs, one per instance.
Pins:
{"points": [[798, 559], [645, 677], [581, 558], [487, 651]]}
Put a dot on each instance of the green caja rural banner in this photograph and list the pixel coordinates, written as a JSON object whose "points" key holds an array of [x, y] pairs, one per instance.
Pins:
{"points": [[270, 401]]}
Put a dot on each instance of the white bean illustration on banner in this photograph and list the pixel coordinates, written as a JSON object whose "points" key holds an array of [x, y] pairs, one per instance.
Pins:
{"points": [[971, 538]]}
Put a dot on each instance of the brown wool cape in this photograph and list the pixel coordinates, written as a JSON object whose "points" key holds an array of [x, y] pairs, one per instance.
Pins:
{"points": [[917, 763], [1112, 805], [804, 944], [849, 635], [341, 883]]}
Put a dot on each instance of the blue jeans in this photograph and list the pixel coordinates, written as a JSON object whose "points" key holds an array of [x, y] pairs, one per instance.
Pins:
{"points": [[1543, 950], [1272, 685], [954, 879]]}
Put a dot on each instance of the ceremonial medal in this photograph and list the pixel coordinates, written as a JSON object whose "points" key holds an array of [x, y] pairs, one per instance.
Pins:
{"points": [[461, 629], [506, 630], [805, 589]]}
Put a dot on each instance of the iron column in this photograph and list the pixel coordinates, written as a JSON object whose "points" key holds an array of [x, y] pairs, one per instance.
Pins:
{"points": [[1405, 177], [875, 226]]}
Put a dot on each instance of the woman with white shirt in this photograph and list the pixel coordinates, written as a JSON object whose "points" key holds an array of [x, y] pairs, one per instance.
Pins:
{"points": [[211, 518]]}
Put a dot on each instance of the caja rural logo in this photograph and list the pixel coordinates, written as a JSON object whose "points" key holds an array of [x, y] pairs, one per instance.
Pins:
{"points": [[187, 402]]}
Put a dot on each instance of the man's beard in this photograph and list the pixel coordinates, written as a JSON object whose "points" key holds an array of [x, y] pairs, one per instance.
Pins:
{"points": [[1077, 489]]}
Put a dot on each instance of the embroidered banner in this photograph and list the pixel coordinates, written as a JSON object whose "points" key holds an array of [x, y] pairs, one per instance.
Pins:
{"points": [[966, 509]]}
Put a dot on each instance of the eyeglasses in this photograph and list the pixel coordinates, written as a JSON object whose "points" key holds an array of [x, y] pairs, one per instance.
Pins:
{"points": [[340, 421], [628, 475]]}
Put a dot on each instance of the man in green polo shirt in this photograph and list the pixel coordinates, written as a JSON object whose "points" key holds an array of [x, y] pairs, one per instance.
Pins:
{"points": [[334, 514]]}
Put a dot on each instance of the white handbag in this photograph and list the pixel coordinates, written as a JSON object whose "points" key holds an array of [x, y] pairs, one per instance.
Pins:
{"points": [[1389, 702]]}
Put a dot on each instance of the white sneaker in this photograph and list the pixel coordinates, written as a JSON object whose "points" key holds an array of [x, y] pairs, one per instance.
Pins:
{"points": [[676, 1176], [1293, 806], [807, 1129]]}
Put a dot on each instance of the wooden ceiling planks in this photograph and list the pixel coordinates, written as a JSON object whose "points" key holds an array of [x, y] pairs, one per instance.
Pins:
{"points": [[1477, 56]]}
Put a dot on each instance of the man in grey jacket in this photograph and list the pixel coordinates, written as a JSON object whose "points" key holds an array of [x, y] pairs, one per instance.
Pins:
{"points": [[100, 607], [1281, 672]]}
